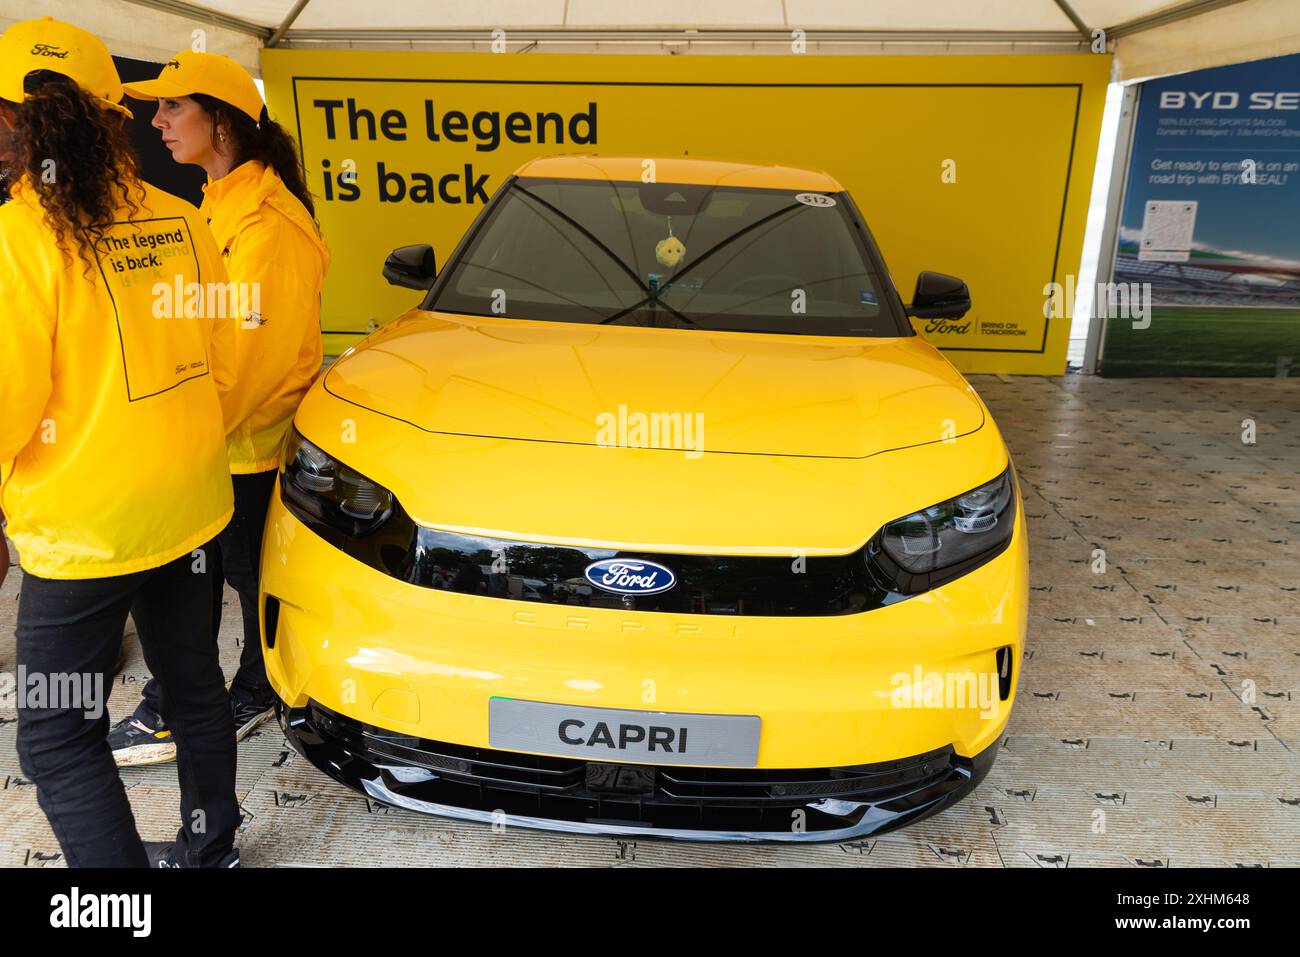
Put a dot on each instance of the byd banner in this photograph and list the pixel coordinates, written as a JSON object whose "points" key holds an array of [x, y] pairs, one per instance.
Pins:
{"points": [[1211, 227]]}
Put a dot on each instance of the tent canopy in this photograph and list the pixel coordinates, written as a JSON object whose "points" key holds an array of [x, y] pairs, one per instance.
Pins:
{"points": [[1149, 37]]}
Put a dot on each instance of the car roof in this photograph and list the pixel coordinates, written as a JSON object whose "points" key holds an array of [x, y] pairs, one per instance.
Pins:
{"points": [[681, 169]]}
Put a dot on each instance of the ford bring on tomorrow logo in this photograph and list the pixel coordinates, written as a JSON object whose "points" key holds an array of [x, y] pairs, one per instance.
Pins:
{"points": [[625, 577]]}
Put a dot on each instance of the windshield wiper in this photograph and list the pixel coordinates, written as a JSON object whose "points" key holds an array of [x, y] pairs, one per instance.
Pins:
{"points": [[727, 242], [653, 300], [528, 282], [655, 295], [595, 241]]}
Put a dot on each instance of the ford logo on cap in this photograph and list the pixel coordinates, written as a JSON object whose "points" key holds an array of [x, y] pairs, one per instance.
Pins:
{"points": [[630, 576]]}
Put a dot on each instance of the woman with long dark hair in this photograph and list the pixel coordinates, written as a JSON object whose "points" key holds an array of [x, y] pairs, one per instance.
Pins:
{"points": [[114, 406], [211, 114]]}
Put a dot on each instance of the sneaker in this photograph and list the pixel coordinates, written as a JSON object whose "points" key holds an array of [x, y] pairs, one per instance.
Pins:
{"points": [[163, 854], [248, 716], [142, 738]]}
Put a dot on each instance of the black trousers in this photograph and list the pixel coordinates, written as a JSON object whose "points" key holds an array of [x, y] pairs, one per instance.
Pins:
{"points": [[236, 560], [68, 628]]}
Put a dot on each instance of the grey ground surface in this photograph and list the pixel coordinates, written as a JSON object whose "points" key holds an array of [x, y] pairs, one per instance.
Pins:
{"points": [[1135, 698]]}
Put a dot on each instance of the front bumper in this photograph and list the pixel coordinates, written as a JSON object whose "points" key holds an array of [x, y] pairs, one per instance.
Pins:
{"points": [[508, 789], [386, 686]]}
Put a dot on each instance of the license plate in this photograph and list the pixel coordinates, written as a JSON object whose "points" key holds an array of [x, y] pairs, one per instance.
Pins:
{"points": [[616, 734]]}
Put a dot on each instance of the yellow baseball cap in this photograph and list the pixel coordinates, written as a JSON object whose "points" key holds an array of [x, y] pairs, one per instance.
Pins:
{"points": [[209, 73], [49, 44]]}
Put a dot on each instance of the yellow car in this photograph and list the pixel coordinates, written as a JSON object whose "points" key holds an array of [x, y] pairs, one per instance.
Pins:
{"points": [[655, 518]]}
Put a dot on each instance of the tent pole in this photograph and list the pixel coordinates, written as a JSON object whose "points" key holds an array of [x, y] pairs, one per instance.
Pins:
{"points": [[1075, 19], [286, 23], [1163, 17], [203, 15], [1110, 234]]}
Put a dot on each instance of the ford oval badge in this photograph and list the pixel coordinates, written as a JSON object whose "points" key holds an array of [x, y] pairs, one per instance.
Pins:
{"points": [[630, 576]]}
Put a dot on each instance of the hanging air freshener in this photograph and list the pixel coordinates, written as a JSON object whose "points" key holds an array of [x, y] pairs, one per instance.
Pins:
{"points": [[670, 251]]}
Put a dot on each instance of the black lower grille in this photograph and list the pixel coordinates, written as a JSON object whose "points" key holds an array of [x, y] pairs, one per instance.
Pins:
{"points": [[811, 586], [569, 789]]}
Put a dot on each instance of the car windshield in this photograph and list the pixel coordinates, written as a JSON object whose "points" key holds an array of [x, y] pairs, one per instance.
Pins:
{"points": [[669, 254]]}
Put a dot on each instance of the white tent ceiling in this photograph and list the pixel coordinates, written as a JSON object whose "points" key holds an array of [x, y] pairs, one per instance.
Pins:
{"points": [[1149, 37]]}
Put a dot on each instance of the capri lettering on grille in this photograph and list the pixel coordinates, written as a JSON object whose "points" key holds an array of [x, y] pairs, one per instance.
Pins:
{"points": [[573, 731], [624, 577]]}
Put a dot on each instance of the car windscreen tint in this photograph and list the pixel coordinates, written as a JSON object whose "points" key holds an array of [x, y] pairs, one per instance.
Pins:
{"points": [[662, 254]]}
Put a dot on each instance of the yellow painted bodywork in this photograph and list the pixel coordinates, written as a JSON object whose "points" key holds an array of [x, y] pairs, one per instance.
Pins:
{"points": [[821, 396], [487, 425], [679, 169]]}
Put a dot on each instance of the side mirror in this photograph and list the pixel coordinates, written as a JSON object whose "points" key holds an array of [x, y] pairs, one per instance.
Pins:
{"points": [[411, 266], [939, 297]]}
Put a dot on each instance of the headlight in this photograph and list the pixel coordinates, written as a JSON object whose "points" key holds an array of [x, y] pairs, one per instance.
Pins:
{"points": [[935, 545], [318, 488]]}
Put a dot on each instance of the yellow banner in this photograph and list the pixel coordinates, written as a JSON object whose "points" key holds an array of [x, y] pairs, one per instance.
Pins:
{"points": [[976, 166]]}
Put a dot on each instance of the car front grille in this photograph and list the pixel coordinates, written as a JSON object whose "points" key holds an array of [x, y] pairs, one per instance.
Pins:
{"points": [[803, 586]]}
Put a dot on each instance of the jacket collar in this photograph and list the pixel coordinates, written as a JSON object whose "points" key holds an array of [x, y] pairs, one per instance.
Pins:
{"points": [[231, 202], [236, 201]]}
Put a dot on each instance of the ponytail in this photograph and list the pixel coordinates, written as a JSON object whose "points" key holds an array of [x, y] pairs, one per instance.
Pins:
{"points": [[265, 141], [281, 154]]}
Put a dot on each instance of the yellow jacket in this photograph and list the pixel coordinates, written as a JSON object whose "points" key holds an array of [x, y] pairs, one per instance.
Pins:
{"points": [[111, 391], [272, 250]]}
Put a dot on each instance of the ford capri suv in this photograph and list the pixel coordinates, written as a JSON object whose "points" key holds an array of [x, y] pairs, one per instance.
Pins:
{"points": [[653, 518]]}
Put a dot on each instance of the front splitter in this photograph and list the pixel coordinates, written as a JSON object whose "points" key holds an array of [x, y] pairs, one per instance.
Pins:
{"points": [[379, 777]]}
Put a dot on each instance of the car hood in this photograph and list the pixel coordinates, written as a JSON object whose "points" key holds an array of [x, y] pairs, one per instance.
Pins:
{"points": [[585, 384]]}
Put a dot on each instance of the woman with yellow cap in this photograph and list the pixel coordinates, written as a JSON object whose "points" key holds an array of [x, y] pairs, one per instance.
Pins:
{"points": [[211, 114], [116, 399]]}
